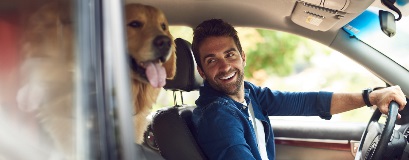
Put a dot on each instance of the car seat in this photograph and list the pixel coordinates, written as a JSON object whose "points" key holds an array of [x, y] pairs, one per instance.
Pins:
{"points": [[172, 128]]}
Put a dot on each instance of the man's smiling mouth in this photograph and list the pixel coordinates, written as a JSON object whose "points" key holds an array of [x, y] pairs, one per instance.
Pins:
{"points": [[232, 74]]}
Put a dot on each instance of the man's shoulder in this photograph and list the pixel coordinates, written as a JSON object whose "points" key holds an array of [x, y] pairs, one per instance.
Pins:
{"points": [[211, 105], [211, 114], [216, 107], [250, 86], [251, 89]]}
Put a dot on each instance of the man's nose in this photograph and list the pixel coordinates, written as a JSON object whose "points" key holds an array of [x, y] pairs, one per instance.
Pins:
{"points": [[224, 65]]}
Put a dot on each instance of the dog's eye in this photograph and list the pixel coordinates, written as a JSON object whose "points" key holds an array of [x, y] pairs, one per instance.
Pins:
{"points": [[163, 25], [135, 24]]}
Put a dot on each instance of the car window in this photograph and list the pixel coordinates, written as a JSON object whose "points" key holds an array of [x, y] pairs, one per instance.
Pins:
{"points": [[302, 65]]}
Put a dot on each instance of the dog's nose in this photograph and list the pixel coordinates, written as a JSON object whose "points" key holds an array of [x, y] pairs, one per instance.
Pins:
{"points": [[162, 46]]}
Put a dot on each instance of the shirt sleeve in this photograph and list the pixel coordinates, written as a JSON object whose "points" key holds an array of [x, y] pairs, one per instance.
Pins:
{"points": [[219, 131], [278, 103]]}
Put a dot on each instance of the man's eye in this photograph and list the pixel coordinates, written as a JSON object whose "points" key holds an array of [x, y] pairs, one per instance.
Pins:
{"points": [[210, 61], [230, 54], [135, 24]]}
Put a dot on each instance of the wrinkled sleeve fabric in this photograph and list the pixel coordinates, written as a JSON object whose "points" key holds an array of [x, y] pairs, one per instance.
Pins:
{"points": [[278, 103], [218, 129]]}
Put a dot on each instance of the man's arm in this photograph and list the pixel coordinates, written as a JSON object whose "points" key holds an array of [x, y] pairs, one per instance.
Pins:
{"points": [[342, 102]]}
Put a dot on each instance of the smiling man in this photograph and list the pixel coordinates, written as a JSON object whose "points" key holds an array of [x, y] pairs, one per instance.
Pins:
{"points": [[231, 118]]}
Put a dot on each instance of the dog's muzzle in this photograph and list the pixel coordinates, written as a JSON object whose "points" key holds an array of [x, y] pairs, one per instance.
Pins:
{"points": [[152, 70], [162, 45]]}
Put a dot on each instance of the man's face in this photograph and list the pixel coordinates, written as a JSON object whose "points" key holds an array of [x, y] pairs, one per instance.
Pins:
{"points": [[222, 64]]}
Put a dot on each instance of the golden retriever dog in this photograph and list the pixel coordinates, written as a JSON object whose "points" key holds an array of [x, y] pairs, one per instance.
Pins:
{"points": [[48, 68], [152, 58]]}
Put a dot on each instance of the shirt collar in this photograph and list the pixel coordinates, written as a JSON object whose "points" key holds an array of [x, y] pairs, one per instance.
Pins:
{"points": [[212, 94]]}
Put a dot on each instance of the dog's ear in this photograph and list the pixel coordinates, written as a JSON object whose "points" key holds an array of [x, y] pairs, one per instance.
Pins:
{"points": [[170, 65]]}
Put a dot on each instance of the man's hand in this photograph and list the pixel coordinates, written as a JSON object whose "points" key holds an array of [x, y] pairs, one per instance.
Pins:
{"points": [[382, 97]]}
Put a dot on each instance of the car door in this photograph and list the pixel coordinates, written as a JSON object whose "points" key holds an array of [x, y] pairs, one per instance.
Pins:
{"points": [[63, 87]]}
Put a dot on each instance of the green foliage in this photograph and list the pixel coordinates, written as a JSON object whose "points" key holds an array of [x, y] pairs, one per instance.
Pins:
{"points": [[274, 55], [277, 53]]}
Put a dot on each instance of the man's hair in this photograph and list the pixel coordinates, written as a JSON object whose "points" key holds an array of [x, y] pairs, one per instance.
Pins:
{"points": [[211, 28]]}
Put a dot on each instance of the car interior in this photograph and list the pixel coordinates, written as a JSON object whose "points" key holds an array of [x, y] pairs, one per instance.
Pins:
{"points": [[104, 126], [295, 139]]}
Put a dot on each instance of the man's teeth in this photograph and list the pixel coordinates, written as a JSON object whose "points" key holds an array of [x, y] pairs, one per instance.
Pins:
{"points": [[228, 77]]}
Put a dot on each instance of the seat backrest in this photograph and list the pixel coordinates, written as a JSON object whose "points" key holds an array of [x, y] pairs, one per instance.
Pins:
{"points": [[173, 137], [173, 128], [187, 78]]}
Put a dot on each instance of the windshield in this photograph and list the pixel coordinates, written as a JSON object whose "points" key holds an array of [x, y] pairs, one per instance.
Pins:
{"points": [[366, 27]]}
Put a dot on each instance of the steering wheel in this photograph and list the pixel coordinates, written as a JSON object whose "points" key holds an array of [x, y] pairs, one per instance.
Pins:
{"points": [[376, 136]]}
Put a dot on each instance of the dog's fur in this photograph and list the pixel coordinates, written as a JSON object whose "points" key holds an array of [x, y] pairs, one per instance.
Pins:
{"points": [[48, 67]]}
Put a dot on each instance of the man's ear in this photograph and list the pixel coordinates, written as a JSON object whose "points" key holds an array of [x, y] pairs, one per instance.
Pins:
{"points": [[201, 72]]}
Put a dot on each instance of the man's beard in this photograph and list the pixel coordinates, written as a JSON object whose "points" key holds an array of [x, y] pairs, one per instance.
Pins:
{"points": [[231, 88]]}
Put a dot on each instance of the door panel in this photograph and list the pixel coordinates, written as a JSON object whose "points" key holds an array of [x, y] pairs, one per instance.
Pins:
{"points": [[318, 139]]}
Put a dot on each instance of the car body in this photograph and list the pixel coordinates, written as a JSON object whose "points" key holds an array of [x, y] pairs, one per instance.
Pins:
{"points": [[103, 122]]}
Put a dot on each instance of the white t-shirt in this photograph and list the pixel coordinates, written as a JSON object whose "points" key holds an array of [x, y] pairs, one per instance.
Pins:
{"points": [[259, 129]]}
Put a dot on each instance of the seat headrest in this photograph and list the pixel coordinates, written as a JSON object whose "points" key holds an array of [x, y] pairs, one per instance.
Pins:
{"points": [[187, 77]]}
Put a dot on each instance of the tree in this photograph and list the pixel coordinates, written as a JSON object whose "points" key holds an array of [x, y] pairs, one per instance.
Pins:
{"points": [[277, 53]]}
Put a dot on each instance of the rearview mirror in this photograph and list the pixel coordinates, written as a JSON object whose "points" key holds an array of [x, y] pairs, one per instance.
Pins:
{"points": [[387, 22]]}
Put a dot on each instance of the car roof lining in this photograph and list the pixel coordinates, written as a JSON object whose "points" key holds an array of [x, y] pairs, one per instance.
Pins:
{"points": [[271, 14]]}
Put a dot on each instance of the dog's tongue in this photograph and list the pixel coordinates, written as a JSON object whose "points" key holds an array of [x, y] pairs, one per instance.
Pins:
{"points": [[156, 74]]}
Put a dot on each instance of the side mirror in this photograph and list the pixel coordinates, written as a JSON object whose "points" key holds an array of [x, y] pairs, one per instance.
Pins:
{"points": [[387, 22]]}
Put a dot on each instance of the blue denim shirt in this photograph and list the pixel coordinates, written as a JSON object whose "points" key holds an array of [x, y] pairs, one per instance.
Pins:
{"points": [[224, 130]]}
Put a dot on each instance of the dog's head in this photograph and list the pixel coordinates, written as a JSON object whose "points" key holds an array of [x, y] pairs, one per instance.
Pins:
{"points": [[150, 45]]}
